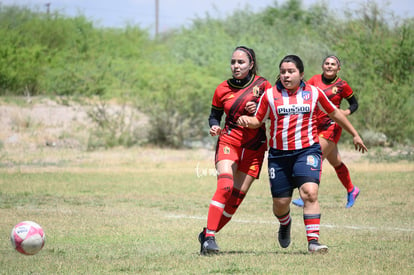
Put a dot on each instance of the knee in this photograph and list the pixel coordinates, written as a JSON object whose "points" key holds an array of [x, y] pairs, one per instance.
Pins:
{"points": [[310, 196], [281, 202], [281, 205]]}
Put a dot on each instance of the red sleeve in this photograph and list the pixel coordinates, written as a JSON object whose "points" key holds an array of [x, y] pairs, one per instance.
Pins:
{"points": [[347, 90], [217, 102], [312, 80], [324, 103], [268, 85], [263, 106]]}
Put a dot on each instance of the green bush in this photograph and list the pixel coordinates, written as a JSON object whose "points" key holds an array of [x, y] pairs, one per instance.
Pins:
{"points": [[173, 76]]}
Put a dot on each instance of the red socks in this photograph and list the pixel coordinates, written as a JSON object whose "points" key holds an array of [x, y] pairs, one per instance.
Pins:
{"points": [[218, 202], [232, 204], [284, 219], [343, 175], [312, 225]]}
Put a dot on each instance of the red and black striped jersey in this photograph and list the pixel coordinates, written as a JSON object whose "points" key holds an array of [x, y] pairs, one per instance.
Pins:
{"points": [[232, 100], [335, 91]]}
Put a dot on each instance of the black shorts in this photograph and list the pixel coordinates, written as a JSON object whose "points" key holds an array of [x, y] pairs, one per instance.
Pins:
{"points": [[289, 169]]}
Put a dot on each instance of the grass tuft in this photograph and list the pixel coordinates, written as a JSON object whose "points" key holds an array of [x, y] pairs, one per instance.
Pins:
{"points": [[139, 211]]}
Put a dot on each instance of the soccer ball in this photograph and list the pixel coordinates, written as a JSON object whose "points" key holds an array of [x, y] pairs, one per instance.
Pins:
{"points": [[27, 237]]}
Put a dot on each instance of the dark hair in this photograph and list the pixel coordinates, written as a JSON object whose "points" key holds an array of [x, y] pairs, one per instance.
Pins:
{"points": [[252, 57], [295, 60]]}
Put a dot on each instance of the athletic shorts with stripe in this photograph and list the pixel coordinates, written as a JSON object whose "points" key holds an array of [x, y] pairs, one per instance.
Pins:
{"points": [[248, 161], [289, 169], [331, 132]]}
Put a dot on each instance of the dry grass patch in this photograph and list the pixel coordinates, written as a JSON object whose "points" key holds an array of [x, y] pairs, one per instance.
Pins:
{"points": [[139, 211]]}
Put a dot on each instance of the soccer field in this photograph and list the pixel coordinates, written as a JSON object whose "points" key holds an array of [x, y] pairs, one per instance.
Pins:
{"points": [[139, 211]]}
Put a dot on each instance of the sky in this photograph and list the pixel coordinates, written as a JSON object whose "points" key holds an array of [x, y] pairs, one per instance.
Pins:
{"points": [[177, 13]]}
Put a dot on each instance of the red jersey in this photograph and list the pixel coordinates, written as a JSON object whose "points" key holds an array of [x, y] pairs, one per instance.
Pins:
{"points": [[233, 101], [293, 115], [335, 91]]}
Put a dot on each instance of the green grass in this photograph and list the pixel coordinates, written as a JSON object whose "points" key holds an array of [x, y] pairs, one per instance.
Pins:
{"points": [[139, 211]]}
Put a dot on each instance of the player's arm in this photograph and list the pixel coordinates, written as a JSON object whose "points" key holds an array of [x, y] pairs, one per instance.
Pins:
{"points": [[214, 120], [256, 121], [342, 121], [249, 122], [353, 105], [337, 115], [348, 94]]}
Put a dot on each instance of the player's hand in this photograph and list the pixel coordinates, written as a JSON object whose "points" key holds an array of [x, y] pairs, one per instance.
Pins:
{"points": [[243, 121], [250, 107], [215, 130], [346, 112], [359, 144]]}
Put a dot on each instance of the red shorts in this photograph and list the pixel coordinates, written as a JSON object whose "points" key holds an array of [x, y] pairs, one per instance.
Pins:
{"points": [[332, 133], [248, 161]]}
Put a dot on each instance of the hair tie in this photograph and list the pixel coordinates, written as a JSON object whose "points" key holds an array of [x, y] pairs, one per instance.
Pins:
{"points": [[333, 57], [246, 51]]}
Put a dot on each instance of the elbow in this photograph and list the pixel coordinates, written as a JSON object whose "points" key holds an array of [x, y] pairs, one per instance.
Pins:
{"points": [[353, 108]]}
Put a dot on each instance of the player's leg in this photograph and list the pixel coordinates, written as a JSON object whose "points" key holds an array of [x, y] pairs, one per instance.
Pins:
{"points": [[298, 202], [249, 167], [327, 147], [307, 171], [312, 216], [242, 183], [343, 175], [281, 188], [281, 210], [225, 171]]}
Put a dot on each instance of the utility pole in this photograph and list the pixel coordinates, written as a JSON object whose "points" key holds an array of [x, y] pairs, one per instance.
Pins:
{"points": [[156, 17], [47, 8]]}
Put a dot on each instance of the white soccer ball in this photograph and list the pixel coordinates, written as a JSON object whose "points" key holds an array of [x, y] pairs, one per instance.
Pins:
{"points": [[27, 237]]}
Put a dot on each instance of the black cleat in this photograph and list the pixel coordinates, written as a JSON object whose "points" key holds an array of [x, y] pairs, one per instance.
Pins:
{"points": [[201, 238], [209, 246], [284, 235]]}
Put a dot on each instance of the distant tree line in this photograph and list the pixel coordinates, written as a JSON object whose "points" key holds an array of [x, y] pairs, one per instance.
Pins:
{"points": [[172, 77]]}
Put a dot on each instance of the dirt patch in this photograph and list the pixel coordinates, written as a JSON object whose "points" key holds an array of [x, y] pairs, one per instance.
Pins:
{"points": [[42, 122]]}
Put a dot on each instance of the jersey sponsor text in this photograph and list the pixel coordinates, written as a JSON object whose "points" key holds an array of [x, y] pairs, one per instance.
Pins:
{"points": [[294, 109]]}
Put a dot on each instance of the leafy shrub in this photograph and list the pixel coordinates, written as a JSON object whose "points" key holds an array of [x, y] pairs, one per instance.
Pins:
{"points": [[172, 77], [115, 126]]}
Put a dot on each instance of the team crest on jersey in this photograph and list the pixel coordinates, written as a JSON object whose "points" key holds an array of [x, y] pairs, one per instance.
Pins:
{"points": [[311, 160], [226, 150], [306, 95], [335, 90], [256, 91]]}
